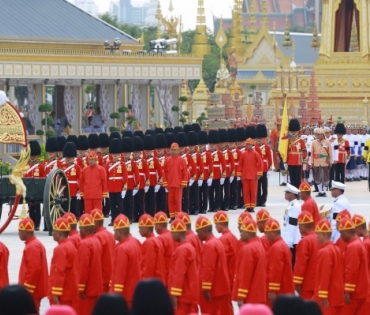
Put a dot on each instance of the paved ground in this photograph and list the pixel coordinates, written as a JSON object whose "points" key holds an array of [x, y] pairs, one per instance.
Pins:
{"points": [[356, 192]]}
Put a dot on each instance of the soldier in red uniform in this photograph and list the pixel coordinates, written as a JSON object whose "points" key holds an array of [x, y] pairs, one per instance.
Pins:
{"points": [[356, 276], [175, 176], [94, 145], [250, 283], [250, 171], [63, 280], [73, 236], [279, 263], [242, 136], [309, 204], [152, 263], [161, 197], [216, 296], [33, 272], [4, 259], [183, 276], [106, 157], [93, 184], [305, 263], [117, 178], [329, 286], [232, 145], [274, 138], [89, 266], [126, 271], [344, 153], [262, 217], [207, 170], [51, 147], [35, 170], [266, 156]]}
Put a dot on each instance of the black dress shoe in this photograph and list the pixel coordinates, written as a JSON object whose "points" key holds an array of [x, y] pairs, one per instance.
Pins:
{"points": [[212, 210], [37, 228], [262, 205], [45, 229], [283, 184], [315, 190], [203, 211], [319, 195], [234, 208], [323, 195], [110, 224], [226, 209], [251, 210]]}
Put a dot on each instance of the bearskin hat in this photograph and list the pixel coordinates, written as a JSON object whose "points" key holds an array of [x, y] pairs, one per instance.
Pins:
{"points": [[242, 136], [177, 129], [138, 144], [149, 142], [169, 129], [170, 138], [250, 132], [115, 146], [196, 127], [61, 142], [69, 150], [202, 137], [35, 147], [158, 130], [224, 137], [261, 131], [104, 140], [139, 133], [93, 139], [192, 138], [83, 143], [115, 135], [294, 125], [182, 139], [73, 138], [127, 133], [188, 128], [233, 136], [213, 137], [52, 145], [150, 132], [127, 145], [340, 129], [160, 141]]}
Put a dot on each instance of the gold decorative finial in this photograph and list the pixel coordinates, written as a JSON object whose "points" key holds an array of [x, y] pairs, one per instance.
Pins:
{"points": [[264, 13], [170, 7], [315, 43], [201, 46], [274, 44], [252, 22], [159, 17], [236, 36], [221, 38], [287, 42]]}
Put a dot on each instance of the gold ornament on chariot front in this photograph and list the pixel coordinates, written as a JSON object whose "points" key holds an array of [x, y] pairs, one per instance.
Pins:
{"points": [[11, 126]]}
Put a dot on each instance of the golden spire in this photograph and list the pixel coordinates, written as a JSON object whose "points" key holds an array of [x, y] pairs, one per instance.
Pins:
{"points": [[315, 38], [201, 46], [170, 7], [221, 38], [264, 13], [354, 46], [287, 42], [236, 38], [159, 17], [252, 22]]}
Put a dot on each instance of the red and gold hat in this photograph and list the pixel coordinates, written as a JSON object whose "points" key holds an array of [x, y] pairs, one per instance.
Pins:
{"points": [[304, 187], [343, 214], [97, 215], [26, 224], [272, 225], [249, 225], [323, 226], [146, 220], [86, 220], [178, 226], [175, 146], [184, 217], [71, 218], [92, 155], [305, 217], [243, 216], [160, 217], [121, 222], [202, 222], [358, 220], [221, 217], [249, 141], [262, 215], [62, 225], [346, 224]]}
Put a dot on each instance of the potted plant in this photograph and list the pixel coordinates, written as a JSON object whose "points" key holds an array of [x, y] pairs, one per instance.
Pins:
{"points": [[201, 118], [178, 109], [114, 116]]}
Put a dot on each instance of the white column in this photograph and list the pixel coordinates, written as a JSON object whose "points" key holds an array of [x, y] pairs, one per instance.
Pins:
{"points": [[175, 99], [158, 111], [145, 103]]}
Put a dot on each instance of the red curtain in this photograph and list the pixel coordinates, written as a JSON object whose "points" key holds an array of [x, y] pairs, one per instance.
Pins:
{"points": [[343, 25]]}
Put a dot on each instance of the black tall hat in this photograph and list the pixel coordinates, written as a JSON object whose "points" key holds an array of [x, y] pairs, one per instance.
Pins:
{"points": [[73, 138], [112, 304], [35, 147], [340, 129], [52, 145], [222, 134], [115, 146], [261, 131], [158, 130], [192, 138], [233, 136], [149, 142], [150, 132], [177, 129], [104, 140], [196, 127], [93, 139], [202, 137], [115, 135], [16, 300], [242, 136], [294, 125], [127, 133], [288, 305], [127, 145], [188, 128], [182, 139], [160, 141], [139, 133], [250, 132], [169, 129], [69, 150], [61, 142], [138, 144], [213, 137], [83, 143], [170, 138]]}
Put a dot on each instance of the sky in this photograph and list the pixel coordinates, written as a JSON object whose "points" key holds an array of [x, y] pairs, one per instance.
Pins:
{"points": [[187, 8]]}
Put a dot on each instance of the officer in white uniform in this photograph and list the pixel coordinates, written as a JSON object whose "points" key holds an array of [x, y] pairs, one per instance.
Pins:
{"points": [[290, 231], [333, 139], [340, 203]]}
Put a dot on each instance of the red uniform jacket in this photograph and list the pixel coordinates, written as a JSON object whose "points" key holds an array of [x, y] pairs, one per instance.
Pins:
{"points": [[75, 238], [175, 172], [155, 171], [230, 243], [168, 247], [266, 157], [133, 176], [152, 262], [93, 183], [194, 240], [4, 258], [126, 273], [63, 280], [50, 165], [229, 163], [197, 158], [297, 152], [207, 165], [236, 156], [81, 162], [183, 278], [342, 245], [73, 173], [356, 276], [250, 275], [279, 268], [143, 172], [214, 274], [116, 176], [108, 243], [266, 244], [250, 165], [90, 268], [190, 164], [343, 150], [329, 270], [219, 165], [36, 170], [310, 206], [33, 273], [305, 263], [106, 159]]}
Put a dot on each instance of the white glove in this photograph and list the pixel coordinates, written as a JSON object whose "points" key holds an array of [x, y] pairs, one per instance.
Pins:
{"points": [[222, 180], [209, 182], [304, 167], [269, 173], [78, 196], [146, 188], [191, 181], [231, 179], [156, 188], [200, 182], [238, 178], [123, 193], [134, 192], [286, 166], [166, 190]]}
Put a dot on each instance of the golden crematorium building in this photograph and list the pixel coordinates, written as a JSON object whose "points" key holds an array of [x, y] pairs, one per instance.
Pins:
{"points": [[51, 51]]}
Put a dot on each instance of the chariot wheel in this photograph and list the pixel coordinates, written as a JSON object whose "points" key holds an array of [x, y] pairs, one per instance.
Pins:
{"points": [[57, 198]]}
